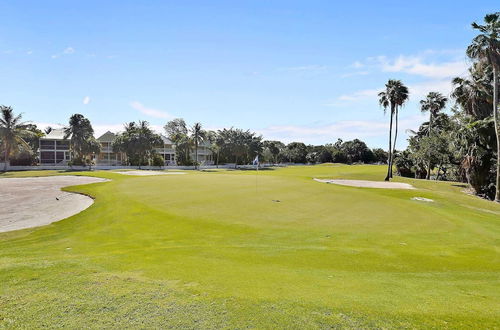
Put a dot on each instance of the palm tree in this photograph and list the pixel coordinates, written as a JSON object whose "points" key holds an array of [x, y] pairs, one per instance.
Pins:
{"points": [[198, 136], [394, 97], [434, 103], [12, 132], [485, 47], [474, 93], [80, 130]]}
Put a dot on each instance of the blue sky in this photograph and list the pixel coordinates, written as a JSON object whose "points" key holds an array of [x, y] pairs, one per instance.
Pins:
{"points": [[291, 70]]}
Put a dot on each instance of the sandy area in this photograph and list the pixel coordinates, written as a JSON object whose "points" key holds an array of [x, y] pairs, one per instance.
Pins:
{"points": [[31, 202], [145, 172], [369, 184], [422, 199]]}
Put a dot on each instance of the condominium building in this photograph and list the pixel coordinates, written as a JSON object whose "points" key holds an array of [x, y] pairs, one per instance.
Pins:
{"points": [[107, 156], [55, 150]]}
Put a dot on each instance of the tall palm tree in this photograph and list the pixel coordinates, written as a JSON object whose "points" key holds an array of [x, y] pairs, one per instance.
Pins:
{"points": [[433, 103], [474, 93], [80, 131], [485, 47], [198, 136], [12, 132], [394, 96]]}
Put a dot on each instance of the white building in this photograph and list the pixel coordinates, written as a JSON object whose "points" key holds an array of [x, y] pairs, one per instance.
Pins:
{"points": [[55, 150], [107, 156]]}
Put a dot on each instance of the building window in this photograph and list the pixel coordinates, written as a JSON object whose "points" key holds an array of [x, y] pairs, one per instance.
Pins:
{"points": [[62, 145], [47, 157], [47, 145]]}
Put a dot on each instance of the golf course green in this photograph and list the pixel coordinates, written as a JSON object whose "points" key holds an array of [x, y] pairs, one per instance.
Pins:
{"points": [[273, 249]]}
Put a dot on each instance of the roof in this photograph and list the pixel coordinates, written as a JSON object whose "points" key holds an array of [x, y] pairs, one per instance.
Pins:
{"points": [[55, 134], [107, 137], [165, 139]]}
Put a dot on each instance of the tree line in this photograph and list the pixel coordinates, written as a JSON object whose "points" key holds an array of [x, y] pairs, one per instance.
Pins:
{"points": [[20, 141], [464, 145]]}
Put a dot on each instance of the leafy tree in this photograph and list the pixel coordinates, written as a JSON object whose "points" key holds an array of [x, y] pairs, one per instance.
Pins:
{"points": [[357, 151], [433, 103], [13, 133], [296, 152], [178, 132], [240, 146], [198, 136], [380, 155], [216, 144], [137, 142], [26, 156], [82, 141], [485, 47], [274, 148], [393, 97]]}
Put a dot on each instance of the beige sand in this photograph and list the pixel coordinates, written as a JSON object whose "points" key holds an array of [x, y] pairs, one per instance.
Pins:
{"points": [[369, 184], [145, 172], [422, 199], [31, 202]]}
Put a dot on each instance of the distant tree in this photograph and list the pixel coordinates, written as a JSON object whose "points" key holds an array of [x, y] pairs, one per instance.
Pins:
{"points": [[485, 47], [240, 146], [296, 152], [357, 151], [393, 97], [274, 148], [82, 141], [137, 142], [13, 133], [178, 132], [216, 144], [380, 155], [198, 136], [34, 139], [433, 103], [28, 156]]}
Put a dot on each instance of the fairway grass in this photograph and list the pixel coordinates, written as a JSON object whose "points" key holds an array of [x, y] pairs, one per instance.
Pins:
{"points": [[273, 249]]}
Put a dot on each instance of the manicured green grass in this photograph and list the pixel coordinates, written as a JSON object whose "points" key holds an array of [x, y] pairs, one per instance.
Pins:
{"points": [[216, 249]]}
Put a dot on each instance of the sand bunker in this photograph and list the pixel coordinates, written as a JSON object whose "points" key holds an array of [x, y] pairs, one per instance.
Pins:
{"points": [[368, 184], [144, 173], [422, 199], [33, 202]]}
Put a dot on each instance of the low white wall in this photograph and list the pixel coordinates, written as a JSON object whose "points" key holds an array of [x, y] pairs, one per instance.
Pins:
{"points": [[108, 167]]}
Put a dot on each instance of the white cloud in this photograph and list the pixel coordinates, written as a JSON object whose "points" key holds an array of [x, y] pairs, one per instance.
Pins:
{"points": [[359, 95], [69, 50], [86, 100], [419, 90], [150, 111], [420, 66], [346, 130], [66, 51], [29, 52], [357, 65], [433, 70]]}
